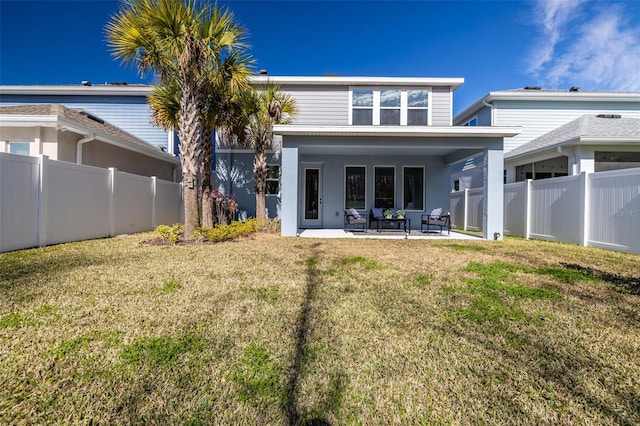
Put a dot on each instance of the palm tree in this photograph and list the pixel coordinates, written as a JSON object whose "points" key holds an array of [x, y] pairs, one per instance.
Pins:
{"points": [[182, 42], [229, 79], [263, 108]]}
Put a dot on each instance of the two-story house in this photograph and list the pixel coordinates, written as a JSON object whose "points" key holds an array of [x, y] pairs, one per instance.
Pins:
{"points": [[564, 132], [356, 142]]}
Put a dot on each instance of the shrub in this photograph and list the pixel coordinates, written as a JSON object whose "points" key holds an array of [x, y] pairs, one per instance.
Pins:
{"points": [[169, 234], [227, 232]]}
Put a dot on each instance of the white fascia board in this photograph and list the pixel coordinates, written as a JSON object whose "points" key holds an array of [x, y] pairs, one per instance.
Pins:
{"points": [[15, 120], [611, 140], [454, 131], [453, 82]]}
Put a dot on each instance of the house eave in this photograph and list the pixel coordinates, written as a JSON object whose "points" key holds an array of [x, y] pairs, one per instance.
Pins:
{"points": [[64, 124], [395, 131]]}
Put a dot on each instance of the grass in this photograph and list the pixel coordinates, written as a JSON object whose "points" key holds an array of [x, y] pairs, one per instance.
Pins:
{"points": [[276, 330]]}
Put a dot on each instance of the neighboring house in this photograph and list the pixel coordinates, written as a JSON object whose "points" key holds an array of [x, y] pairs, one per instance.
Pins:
{"points": [[538, 111], [591, 143], [77, 136], [356, 142]]}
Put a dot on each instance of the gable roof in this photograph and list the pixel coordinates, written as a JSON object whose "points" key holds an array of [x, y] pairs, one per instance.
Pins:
{"points": [[78, 121], [587, 129]]}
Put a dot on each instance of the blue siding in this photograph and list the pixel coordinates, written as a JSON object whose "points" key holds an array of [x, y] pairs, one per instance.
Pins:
{"points": [[234, 175], [130, 113]]}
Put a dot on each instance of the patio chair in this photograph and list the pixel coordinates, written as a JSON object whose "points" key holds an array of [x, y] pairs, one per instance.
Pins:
{"points": [[437, 217], [353, 220]]}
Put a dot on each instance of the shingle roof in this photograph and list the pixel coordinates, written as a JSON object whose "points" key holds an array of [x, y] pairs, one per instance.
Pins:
{"points": [[586, 126], [80, 117]]}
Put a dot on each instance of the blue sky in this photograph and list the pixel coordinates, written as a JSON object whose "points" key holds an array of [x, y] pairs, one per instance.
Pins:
{"points": [[494, 45]]}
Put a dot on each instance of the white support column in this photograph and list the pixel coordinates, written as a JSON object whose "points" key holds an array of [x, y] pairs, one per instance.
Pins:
{"points": [[289, 192], [493, 206], [585, 159], [42, 200]]}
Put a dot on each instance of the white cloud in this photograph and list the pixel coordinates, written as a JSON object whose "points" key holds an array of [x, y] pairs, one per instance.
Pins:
{"points": [[596, 50], [553, 16]]}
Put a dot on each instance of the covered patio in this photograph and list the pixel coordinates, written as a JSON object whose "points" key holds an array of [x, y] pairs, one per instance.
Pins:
{"points": [[319, 161]]}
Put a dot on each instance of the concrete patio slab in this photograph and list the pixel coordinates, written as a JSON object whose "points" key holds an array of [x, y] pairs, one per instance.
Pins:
{"points": [[386, 234]]}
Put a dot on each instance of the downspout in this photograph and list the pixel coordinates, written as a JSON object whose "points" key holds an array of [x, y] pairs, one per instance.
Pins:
{"points": [[492, 107], [88, 138]]}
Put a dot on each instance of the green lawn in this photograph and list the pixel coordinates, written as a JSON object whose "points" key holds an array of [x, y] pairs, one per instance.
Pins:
{"points": [[274, 330]]}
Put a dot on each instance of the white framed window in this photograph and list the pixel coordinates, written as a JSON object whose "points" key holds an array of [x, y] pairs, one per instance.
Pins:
{"points": [[272, 186], [390, 106], [413, 188], [355, 187], [390, 103], [361, 107], [417, 107], [384, 187], [473, 122], [21, 148]]}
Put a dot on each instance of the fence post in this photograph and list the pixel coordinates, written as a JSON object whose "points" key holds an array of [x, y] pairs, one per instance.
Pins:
{"points": [[43, 191], [154, 187], [527, 208], [584, 216], [112, 201], [465, 204]]}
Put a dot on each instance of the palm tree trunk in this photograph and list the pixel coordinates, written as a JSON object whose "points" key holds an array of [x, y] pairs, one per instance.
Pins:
{"points": [[205, 173], [260, 176], [190, 134]]}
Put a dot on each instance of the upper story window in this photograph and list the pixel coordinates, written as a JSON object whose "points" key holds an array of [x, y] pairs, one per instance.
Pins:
{"points": [[362, 107], [472, 122], [417, 107], [389, 107]]}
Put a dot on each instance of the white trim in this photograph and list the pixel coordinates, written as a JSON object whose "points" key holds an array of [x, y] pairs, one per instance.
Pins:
{"points": [[394, 183], [344, 185], [415, 131], [424, 185], [404, 107]]}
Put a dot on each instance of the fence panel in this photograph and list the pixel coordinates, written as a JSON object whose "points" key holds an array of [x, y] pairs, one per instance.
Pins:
{"points": [[457, 209], [19, 189], [132, 204], [515, 209], [77, 206], [614, 210], [168, 208], [475, 209], [556, 209]]}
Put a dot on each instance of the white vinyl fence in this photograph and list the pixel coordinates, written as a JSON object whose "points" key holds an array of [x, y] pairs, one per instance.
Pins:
{"points": [[597, 209], [49, 202]]}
